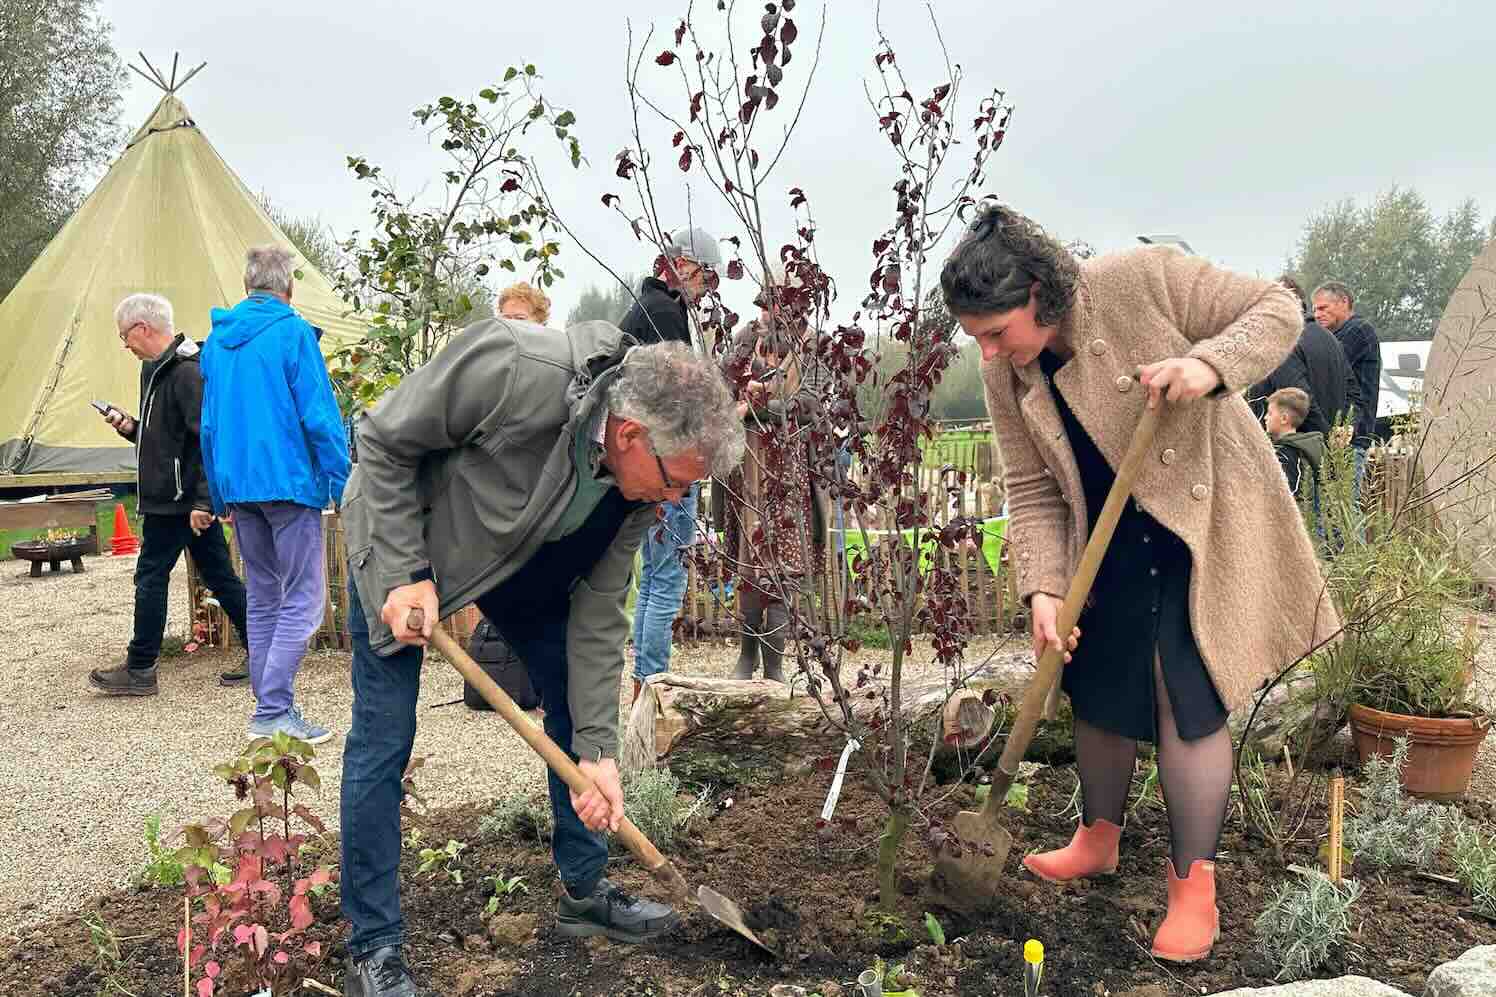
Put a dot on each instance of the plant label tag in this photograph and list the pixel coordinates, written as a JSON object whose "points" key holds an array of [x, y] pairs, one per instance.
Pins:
{"points": [[836, 780]]}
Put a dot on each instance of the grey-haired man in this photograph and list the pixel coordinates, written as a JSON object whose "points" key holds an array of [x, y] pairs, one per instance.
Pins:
{"points": [[517, 470]]}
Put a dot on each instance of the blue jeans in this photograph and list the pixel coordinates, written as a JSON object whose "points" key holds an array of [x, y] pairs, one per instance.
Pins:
{"points": [[662, 583], [378, 749]]}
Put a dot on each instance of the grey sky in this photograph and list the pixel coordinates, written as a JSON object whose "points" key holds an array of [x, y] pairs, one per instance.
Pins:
{"points": [[1228, 123]]}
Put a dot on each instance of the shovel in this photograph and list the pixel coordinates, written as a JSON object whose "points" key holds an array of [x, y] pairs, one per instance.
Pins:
{"points": [[663, 870], [972, 876]]}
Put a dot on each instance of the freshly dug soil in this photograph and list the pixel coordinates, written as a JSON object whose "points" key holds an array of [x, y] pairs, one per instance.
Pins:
{"points": [[812, 895]]}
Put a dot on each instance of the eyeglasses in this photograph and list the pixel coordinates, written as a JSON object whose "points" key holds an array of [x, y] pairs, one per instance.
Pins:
{"points": [[670, 483], [124, 335]]}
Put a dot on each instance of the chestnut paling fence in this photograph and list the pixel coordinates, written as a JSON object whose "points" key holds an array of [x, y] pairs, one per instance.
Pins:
{"points": [[708, 611]]}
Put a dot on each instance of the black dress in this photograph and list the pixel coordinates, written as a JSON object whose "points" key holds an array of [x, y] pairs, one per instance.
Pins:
{"points": [[1138, 606]]}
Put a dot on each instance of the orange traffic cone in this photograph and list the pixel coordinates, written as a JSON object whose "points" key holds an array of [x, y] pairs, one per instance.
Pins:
{"points": [[124, 541]]}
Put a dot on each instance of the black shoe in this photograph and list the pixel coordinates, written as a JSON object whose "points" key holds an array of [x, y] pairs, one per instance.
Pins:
{"points": [[235, 676], [381, 973], [612, 912], [124, 681]]}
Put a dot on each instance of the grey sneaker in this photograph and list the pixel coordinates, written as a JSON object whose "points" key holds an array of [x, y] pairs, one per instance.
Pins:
{"points": [[614, 913], [292, 723]]}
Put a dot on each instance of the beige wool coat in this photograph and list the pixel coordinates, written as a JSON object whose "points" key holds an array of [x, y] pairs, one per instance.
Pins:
{"points": [[1257, 600]]}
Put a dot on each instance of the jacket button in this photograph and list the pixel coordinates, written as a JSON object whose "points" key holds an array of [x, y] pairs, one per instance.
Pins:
{"points": [[1124, 382], [1167, 456], [1199, 492], [1098, 346]]}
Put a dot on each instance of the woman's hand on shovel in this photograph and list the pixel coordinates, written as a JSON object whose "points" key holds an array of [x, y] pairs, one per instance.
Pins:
{"points": [[1180, 379], [1045, 610]]}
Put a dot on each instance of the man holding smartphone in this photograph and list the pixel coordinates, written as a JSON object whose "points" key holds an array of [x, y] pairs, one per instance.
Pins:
{"points": [[172, 492]]}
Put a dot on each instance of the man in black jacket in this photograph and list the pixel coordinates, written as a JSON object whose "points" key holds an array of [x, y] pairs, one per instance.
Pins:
{"points": [[172, 492], [1317, 367], [1335, 309], [660, 314]]}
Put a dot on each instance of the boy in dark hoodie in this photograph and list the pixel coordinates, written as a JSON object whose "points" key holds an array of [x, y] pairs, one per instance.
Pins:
{"points": [[1287, 408]]}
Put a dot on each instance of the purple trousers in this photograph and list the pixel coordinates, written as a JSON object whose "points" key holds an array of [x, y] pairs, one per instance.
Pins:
{"points": [[284, 574]]}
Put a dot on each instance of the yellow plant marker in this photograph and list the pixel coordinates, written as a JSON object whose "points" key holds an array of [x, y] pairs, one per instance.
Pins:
{"points": [[1033, 967]]}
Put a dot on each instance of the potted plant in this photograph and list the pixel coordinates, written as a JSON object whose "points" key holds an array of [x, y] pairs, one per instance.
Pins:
{"points": [[1407, 594]]}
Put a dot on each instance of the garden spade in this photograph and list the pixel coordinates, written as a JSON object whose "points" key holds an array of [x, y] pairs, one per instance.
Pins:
{"points": [[970, 877], [663, 870]]}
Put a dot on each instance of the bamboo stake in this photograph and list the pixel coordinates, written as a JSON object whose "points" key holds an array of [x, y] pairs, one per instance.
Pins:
{"points": [[187, 947], [1337, 824]]}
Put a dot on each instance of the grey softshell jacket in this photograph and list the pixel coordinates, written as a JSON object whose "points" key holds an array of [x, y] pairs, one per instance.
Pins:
{"points": [[462, 470]]}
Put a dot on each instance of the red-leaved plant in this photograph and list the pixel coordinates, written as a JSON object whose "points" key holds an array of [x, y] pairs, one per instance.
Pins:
{"points": [[250, 932], [876, 406]]}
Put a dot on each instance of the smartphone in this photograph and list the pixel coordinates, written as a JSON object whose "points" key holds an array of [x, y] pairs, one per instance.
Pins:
{"points": [[103, 408]]}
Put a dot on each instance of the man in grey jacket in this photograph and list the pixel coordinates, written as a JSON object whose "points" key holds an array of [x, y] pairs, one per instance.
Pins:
{"points": [[519, 470]]}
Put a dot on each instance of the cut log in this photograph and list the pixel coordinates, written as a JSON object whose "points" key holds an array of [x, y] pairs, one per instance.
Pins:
{"points": [[757, 716]]}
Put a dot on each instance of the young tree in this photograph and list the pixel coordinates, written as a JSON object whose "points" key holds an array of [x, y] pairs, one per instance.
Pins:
{"points": [[726, 110], [313, 240], [60, 85], [421, 272]]}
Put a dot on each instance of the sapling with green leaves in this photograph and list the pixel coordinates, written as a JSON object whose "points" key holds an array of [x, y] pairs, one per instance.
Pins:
{"points": [[503, 886], [436, 861]]}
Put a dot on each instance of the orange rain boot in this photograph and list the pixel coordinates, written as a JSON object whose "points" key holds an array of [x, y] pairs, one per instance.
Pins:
{"points": [[1091, 852], [1193, 923]]}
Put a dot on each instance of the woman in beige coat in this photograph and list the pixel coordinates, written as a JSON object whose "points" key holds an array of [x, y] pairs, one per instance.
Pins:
{"points": [[1210, 584]]}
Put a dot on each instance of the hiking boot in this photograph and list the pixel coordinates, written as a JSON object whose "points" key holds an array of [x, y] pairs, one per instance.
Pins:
{"points": [[235, 676], [124, 681], [610, 911], [381, 973], [293, 724]]}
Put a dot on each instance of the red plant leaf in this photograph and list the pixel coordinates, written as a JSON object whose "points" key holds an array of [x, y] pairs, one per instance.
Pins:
{"points": [[665, 58], [734, 269], [313, 949], [205, 987], [509, 184], [685, 159], [788, 33], [301, 912], [678, 139], [680, 32], [243, 933], [608, 200], [261, 939], [280, 958], [212, 969]]}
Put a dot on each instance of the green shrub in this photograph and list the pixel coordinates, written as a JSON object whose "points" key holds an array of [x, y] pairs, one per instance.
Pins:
{"points": [[652, 801], [519, 816], [1474, 855], [1391, 830], [1304, 923]]}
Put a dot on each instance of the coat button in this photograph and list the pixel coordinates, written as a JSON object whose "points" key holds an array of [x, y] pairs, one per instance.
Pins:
{"points": [[1098, 346], [1199, 492], [1167, 456], [1124, 382]]}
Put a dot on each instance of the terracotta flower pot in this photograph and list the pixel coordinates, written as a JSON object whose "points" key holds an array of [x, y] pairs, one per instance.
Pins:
{"points": [[1441, 752]]}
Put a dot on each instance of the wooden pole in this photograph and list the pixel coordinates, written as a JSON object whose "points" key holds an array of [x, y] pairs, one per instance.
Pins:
{"points": [[186, 947], [1337, 824]]}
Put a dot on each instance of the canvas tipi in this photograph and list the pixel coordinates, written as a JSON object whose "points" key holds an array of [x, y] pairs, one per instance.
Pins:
{"points": [[169, 217]]}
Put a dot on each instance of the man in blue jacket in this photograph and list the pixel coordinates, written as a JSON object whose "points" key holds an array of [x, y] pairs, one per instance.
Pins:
{"points": [[275, 455]]}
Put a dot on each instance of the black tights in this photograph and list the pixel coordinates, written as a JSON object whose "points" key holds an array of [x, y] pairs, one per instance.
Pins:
{"points": [[1195, 776]]}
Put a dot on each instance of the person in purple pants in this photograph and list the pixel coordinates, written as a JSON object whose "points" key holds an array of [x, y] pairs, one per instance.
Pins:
{"points": [[275, 455]]}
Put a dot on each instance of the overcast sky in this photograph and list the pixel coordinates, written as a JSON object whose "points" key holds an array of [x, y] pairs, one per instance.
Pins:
{"points": [[1226, 123]]}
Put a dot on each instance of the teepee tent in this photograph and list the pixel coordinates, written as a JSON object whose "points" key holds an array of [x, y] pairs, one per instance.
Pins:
{"points": [[169, 217]]}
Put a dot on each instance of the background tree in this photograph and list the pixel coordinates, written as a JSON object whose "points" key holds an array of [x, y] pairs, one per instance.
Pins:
{"points": [[421, 272], [1400, 261], [607, 303], [315, 241], [60, 81]]}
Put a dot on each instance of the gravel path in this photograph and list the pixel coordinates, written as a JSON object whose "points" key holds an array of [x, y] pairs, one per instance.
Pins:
{"points": [[81, 773]]}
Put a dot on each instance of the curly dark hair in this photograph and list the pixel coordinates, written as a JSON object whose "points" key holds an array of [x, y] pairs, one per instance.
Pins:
{"points": [[998, 260]]}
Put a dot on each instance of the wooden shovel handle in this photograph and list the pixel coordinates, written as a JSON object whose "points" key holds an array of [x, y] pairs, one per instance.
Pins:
{"points": [[1051, 660], [559, 761]]}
